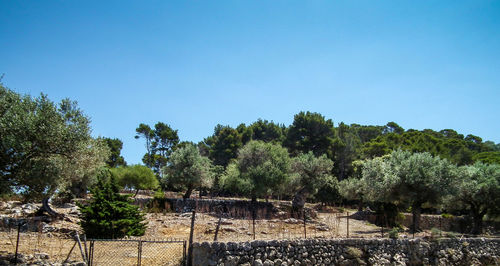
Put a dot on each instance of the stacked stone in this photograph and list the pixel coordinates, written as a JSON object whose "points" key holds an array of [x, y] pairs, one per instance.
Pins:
{"points": [[349, 252]]}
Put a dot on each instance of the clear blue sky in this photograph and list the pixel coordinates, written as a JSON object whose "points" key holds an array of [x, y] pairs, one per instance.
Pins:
{"points": [[194, 64]]}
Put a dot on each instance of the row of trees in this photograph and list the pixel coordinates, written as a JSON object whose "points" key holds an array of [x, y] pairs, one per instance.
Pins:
{"points": [[404, 179], [345, 144]]}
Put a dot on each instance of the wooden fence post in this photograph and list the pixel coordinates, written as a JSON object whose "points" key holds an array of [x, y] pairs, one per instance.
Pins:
{"points": [[190, 248], [347, 224], [217, 229]]}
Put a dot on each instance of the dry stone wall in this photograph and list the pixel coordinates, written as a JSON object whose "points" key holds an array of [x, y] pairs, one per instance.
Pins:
{"points": [[478, 251]]}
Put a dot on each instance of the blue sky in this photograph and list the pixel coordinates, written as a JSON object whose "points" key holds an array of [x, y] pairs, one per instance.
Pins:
{"points": [[194, 64]]}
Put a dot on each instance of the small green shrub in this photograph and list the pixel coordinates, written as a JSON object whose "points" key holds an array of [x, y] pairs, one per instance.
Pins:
{"points": [[451, 234], [435, 233], [447, 215], [159, 203], [354, 252], [394, 233]]}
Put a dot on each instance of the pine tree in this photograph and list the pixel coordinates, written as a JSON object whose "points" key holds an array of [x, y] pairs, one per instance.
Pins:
{"points": [[109, 214]]}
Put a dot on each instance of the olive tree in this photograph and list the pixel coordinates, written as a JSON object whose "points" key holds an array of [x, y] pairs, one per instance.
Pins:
{"points": [[43, 144], [264, 166], [478, 191], [188, 170], [309, 174], [409, 178]]}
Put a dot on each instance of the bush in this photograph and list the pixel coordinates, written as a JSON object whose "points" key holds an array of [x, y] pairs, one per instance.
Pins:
{"points": [[447, 215], [394, 233], [435, 233], [159, 203], [109, 214]]}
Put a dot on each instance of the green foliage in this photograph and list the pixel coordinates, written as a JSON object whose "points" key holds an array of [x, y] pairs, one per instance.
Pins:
{"points": [[488, 157], [351, 189], [436, 233], [354, 252], [393, 233], [311, 172], [135, 177], [329, 193], [267, 131], [232, 182], [160, 142], [446, 143], [188, 169], [310, 132], [223, 145], [478, 188], [109, 214], [42, 144], [115, 147], [265, 166], [409, 179], [447, 215]]}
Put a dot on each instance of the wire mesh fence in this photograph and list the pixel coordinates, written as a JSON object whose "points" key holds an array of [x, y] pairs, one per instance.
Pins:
{"points": [[136, 252], [29, 239], [331, 225]]}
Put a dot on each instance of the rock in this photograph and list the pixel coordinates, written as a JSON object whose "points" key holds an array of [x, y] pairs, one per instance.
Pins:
{"points": [[292, 221], [268, 263], [42, 256], [68, 205], [229, 229], [257, 262]]}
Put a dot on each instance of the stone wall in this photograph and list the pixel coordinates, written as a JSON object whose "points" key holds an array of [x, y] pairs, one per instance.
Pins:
{"points": [[241, 209], [477, 251], [427, 221]]}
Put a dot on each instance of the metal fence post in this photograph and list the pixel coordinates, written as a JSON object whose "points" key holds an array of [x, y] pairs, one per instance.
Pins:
{"points": [[17, 241], [91, 253], [139, 252], [184, 253]]}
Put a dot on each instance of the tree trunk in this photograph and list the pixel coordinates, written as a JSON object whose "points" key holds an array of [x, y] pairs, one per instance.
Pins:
{"points": [[298, 202], [477, 224], [46, 208], [188, 193], [254, 199], [136, 192], [477, 220], [360, 206], [416, 210]]}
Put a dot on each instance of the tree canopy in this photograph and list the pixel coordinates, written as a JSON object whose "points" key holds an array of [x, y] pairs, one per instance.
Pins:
{"points": [[188, 169], [310, 173], [41, 142], [478, 192], [135, 177], [160, 143], [264, 166], [411, 179]]}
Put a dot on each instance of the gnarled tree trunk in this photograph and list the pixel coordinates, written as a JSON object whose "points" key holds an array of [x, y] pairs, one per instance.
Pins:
{"points": [[416, 211], [298, 202], [188, 193]]}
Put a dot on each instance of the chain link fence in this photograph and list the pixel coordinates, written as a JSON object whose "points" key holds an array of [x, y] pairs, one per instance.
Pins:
{"points": [[26, 240], [136, 252]]}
